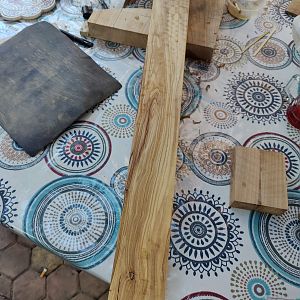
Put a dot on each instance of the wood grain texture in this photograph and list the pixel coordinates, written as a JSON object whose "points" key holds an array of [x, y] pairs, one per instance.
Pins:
{"points": [[274, 198], [294, 8], [258, 181], [245, 178], [140, 267], [130, 26]]}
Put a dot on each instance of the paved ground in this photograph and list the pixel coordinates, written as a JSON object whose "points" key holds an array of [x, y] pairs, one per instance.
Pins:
{"points": [[21, 263]]}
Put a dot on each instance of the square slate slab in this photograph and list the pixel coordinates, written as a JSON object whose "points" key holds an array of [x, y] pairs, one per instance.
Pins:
{"points": [[46, 83]]}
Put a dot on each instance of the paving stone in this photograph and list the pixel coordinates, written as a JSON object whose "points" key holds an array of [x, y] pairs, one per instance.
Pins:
{"points": [[92, 285], [14, 260], [29, 286], [7, 237], [82, 297], [42, 258], [25, 241], [5, 286], [62, 283], [104, 296]]}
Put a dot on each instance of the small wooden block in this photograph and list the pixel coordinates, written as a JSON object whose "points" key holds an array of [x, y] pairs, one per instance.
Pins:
{"points": [[258, 181], [294, 8], [245, 177]]}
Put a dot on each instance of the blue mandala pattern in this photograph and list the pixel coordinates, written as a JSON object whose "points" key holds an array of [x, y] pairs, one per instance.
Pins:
{"points": [[118, 182], [275, 55], [13, 157], [277, 239], [279, 143], [205, 235], [229, 22], [219, 115], [190, 99], [254, 280], [119, 121], [204, 71], [139, 54], [75, 217], [209, 157], [277, 11], [295, 53], [229, 53], [203, 295], [257, 97], [264, 23], [7, 203], [83, 149], [108, 51]]}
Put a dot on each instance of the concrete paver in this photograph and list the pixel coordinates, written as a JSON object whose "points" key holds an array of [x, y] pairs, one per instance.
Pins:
{"points": [[14, 260], [7, 237]]}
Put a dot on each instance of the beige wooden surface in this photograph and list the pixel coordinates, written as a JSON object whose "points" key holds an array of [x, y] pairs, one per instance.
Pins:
{"points": [[274, 197], [245, 178], [141, 259], [294, 8], [130, 26], [258, 181]]}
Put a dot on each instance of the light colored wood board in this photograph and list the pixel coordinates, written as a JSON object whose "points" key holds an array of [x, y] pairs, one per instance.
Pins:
{"points": [[141, 259], [294, 8], [130, 26], [204, 21], [274, 198], [245, 178]]}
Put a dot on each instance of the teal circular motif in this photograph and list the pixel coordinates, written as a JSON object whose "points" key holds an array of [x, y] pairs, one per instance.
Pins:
{"points": [[229, 22], [258, 289], [295, 54], [118, 182], [119, 120], [82, 149], [13, 157], [256, 281], [75, 217], [122, 120], [273, 56], [191, 96], [109, 51], [277, 239]]}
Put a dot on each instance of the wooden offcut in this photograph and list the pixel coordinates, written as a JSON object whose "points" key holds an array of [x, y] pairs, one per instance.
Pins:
{"points": [[140, 266], [258, 181], [130, 26], [294, 8]]}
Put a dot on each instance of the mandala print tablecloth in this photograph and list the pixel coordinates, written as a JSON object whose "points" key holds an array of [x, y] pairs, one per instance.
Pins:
{"points": [[68, 198]]}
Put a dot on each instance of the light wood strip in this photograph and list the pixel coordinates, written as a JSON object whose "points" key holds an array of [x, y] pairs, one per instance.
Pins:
{"points": [[140, 266]]}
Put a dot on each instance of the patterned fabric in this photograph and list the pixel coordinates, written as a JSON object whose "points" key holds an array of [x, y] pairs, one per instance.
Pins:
{"points": [[69, 197]]}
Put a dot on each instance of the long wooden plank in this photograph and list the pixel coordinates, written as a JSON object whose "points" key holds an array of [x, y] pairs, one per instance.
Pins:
{"points": [[130, 26], [140, 267]]}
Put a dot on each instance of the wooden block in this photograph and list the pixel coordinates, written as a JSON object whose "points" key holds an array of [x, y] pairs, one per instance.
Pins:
{"points": [[294, 8], [130, 26], [258, 181], [245, 178], [141, 259], [274, 197]]}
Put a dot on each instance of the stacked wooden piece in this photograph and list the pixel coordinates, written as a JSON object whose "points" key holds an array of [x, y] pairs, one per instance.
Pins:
{"points": [[130, 26], [258, 181]]}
